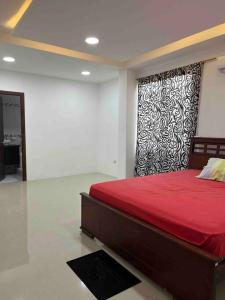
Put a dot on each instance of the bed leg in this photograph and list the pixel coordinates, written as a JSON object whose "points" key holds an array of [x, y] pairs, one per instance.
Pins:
{"points": [[86, 232]]}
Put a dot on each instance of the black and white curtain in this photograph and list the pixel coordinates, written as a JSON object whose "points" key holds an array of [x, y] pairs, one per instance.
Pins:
{"points": [[167, 119]]}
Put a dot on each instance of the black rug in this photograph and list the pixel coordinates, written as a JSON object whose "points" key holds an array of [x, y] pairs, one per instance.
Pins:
{"points": [[102, 275]]}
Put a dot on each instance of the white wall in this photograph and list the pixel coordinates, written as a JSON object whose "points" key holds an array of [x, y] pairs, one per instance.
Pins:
{"points": [[212, 102], [132, 101], [122, 137], [61, 124], [74, 127], [108, 122], [127, 123]]}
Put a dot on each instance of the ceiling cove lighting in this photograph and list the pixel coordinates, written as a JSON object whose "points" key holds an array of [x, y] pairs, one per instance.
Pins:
{"points": [[14, 20], [92, 40], [85, 73], [8, 59]]}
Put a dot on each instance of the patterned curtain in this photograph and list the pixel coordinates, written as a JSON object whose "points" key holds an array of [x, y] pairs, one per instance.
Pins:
{"points": [[167, 119]]}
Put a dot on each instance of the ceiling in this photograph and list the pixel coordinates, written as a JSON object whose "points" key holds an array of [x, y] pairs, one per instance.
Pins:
{"points": [[48, 64], [126, 28], [8, 8]]}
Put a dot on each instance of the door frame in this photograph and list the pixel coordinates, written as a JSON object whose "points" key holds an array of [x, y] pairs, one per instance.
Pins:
{"points": [[23, 129]]}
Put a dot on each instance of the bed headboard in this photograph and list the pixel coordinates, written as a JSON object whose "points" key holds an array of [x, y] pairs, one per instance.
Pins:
{"points": [[204, 148]]}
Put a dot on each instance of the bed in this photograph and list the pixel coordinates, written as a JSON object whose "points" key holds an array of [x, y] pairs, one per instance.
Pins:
{"points": [[149, 222]]}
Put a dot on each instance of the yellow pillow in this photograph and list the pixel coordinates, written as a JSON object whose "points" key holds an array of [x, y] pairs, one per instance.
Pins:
{"points": [[214, 170]]}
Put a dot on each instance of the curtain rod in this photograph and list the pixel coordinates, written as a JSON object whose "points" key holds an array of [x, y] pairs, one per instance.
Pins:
{"points": [[208, 60], [202, 61]]}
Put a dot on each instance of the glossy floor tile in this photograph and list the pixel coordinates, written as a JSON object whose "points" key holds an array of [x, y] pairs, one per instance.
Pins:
{"points": [[39, 233]]}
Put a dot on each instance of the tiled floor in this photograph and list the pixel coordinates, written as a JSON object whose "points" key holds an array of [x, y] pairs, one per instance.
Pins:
{"points": [[39, 233]]}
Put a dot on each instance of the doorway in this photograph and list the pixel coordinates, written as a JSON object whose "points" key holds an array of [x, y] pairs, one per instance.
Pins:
{"points": [[12, 137]]}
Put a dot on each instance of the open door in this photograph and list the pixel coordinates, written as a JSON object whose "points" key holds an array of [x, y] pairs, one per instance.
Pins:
{"points": [[23, 133], [2, 169]]}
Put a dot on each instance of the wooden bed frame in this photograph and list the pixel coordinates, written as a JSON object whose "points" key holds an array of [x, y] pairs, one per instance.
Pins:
{"points": [[185, 270]]}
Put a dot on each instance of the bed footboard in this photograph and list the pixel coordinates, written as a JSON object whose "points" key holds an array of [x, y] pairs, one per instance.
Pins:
{"points": [[185, 271]]}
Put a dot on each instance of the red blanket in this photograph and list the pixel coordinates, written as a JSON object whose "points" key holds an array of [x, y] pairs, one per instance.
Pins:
{"points": [[179, 203]]}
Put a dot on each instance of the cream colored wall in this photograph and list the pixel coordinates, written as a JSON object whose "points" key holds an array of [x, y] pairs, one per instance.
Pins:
{"points": [[211, 121]]}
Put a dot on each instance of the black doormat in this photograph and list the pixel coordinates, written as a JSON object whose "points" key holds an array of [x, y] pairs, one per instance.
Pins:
{"points": [[102, 275]]}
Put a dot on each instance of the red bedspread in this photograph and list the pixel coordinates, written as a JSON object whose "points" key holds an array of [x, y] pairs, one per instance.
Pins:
{"points": [[179, 203]]}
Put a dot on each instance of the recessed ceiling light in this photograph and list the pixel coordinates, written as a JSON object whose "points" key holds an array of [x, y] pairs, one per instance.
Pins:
{"points": [[86, 73], [92, 40], [9, 59]]}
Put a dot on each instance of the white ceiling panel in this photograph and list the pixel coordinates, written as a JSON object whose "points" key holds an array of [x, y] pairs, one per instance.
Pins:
{"points": [[42, 63], [126, 28], [8, 8]]}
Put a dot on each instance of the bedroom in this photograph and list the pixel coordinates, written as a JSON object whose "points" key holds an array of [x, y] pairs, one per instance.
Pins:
{"points": [[80, 129]]}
